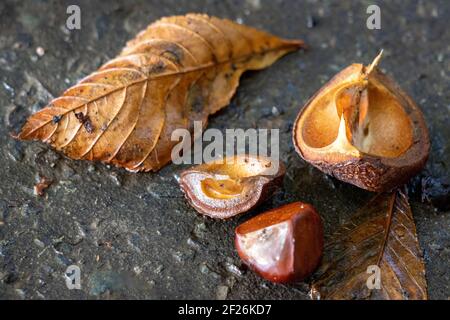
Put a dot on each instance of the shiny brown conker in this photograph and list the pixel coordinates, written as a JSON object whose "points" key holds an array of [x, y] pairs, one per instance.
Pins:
{"points": [[283, 244]]}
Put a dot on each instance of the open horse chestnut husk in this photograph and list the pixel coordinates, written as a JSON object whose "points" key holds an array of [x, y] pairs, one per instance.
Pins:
{"points": [[363, 129]]}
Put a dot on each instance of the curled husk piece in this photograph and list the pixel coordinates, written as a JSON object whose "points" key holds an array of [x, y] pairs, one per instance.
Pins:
{"points": [[362, 128], [227, 187]]}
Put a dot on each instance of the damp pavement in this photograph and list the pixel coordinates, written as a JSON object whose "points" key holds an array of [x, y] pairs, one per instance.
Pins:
{"points": [[134, 235]]}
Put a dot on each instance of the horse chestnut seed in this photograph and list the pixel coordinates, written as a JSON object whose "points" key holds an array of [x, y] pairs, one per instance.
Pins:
{"points": [[284, 244]]}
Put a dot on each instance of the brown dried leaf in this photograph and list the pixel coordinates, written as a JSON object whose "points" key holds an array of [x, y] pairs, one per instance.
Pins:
{"points": [[180, 69], [382, 233]]}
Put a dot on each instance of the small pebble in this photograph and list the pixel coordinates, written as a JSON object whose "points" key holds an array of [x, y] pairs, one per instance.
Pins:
{"points": [[233, 269], [20, 293], [222, 292], [39, 243], [93, 225], [40, 51], [206, 270], [200, 230], [193, 243], [8, 88], [311, 22], [159, 269], [137, 270], [178, 256], [116, 179], [275, 111]]}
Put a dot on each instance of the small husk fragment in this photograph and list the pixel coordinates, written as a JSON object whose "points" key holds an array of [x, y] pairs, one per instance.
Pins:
{"points": [[283, 244], [362, 128], [233, 185]]}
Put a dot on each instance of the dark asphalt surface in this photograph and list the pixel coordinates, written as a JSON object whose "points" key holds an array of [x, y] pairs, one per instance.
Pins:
{"points": [[134, 235]]}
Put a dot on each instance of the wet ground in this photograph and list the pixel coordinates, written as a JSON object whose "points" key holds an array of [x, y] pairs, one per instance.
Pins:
{"points": [[133, 235]]}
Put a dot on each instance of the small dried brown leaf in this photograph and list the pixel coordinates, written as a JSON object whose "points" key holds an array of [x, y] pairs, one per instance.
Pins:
{"points": [[382, 233], [180, 69], [42, 185]]}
